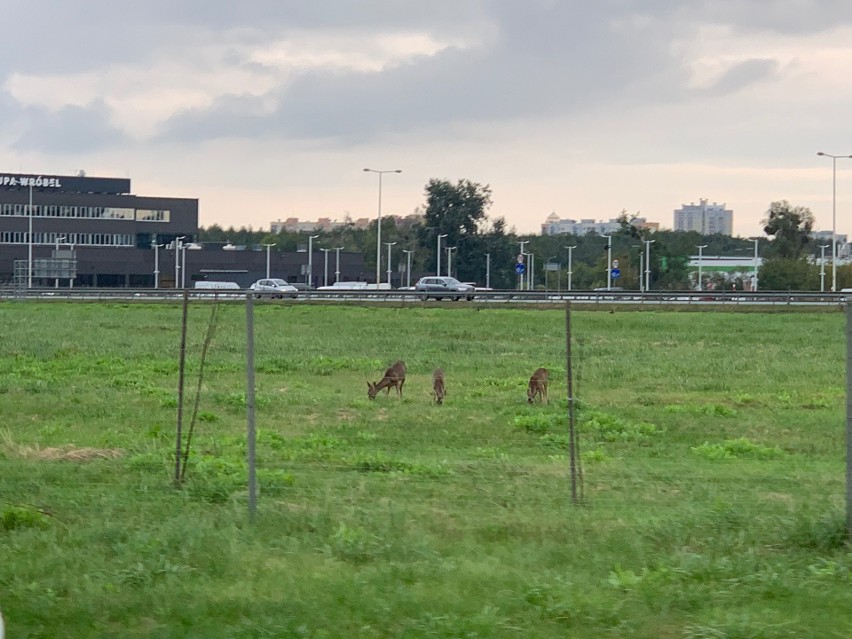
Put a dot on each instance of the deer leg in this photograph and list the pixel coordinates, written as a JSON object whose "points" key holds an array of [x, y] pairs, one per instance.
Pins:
{"points": [[399, 388]]}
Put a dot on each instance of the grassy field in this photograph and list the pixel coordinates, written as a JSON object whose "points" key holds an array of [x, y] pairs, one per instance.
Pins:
{"points": [[713, 455]]}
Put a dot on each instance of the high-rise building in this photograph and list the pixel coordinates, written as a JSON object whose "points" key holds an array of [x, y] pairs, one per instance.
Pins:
{"points": [[707, 219]]}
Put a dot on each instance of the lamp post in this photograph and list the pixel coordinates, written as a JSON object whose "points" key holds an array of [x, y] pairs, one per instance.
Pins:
{"points": [[311, 239], [379, 224], [337, 250], [822, 248], [450, 250], [488, 270], [570, 272], [156, 264], [389, 244], [608, 260], [438, 270], [531, 273], [177, 243], [755, 263], [325, 268], [30, 241], [408, 266], [834, 159], [700, 249], [648, 264], [268, 246]]}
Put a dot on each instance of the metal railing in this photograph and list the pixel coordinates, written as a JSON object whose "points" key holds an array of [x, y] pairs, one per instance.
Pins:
{"points": [[581, 298]]}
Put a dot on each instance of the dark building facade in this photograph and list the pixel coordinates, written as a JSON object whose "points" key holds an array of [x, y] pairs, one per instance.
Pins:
{"points": [[120, 239]]}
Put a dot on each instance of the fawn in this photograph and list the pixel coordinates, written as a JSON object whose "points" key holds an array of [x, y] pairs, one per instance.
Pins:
{"points": [[538, 386], [438, 385], [394, 376]]}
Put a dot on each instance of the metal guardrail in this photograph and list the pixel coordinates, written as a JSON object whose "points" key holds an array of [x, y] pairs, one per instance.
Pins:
{"points": [[582, 298]]}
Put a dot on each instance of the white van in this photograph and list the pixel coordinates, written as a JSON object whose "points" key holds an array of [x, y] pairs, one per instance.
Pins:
{"points": [[208, 285]]}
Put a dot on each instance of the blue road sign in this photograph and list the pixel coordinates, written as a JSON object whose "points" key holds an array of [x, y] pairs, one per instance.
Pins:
{"points": [[520, 268], [615, 273]]}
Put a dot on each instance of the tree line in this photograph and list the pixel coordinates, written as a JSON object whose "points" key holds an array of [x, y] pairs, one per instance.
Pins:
{"points": [[458, 212]]}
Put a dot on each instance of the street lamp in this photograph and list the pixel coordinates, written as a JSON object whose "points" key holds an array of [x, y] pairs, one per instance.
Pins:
{"points": [[325, 268], [488, 270], [822, 248], [570, 272], [700, 249], [439, 254], [379, 224], [337, 250], [389, 244], [177, 244], [608, 260], [156, 248], [450, 250], [834, 159], [755, 263], [311, 239], [648, 264], [408, 267], [268, 246], [30, 241]]}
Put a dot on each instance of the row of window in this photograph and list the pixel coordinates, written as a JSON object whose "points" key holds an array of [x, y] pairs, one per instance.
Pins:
{"points": [[87, 212], [86, 239]]}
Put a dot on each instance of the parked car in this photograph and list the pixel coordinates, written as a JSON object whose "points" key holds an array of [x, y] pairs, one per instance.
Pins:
{"points": [[441, 287], [274, 288], [344, 286]]}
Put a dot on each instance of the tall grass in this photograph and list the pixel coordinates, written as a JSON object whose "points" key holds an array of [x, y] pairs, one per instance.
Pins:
{"points": [[713, 452]]}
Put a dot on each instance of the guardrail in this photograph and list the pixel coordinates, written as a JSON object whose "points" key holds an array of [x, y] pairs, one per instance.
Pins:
{"points": [[652, 298]]}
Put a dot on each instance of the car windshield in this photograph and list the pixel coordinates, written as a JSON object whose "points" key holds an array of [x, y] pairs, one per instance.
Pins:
{"points": [[279, 282], [451, 281]]}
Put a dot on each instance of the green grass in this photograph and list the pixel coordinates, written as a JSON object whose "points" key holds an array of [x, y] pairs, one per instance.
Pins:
{"points": [[712, 442]]}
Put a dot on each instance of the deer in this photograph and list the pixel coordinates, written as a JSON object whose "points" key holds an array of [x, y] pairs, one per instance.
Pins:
{"points": [[394, 376], [538, 386], [438, 385]]}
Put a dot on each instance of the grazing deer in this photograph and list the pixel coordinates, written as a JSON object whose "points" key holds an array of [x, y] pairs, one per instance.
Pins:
{"points": [[538, 385], [438, 385], [394, 376]]}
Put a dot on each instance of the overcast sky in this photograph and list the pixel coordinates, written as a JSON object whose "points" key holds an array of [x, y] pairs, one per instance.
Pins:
{"points": [[267, 109]]}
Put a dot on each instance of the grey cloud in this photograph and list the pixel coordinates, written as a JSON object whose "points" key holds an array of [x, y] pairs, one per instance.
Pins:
{"points": [[71, 130], [744, 74]]}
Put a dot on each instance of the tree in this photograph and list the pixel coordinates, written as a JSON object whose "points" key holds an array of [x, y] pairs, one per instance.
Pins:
{"points": [[790, 226], [459, 212]]}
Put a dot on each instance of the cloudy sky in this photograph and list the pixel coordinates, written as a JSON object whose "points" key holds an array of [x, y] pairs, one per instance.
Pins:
{"points": [[267, 109]]}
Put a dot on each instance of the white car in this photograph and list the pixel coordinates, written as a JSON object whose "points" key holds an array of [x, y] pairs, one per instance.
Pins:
{"points": [[344, 286], [274, 287]]}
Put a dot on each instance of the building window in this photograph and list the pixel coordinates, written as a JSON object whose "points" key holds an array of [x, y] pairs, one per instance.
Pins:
{"points": [[152, 215]]}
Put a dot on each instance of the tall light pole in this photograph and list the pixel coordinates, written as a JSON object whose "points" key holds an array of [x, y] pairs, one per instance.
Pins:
{"points": [[570, 272], [325, 268], [834, 159], [177, 259], [30, 241], [438, 270], [450, 250], [700, 254], [608, 260], [755, 263], [531, 273], [337, 250], [822, 248], [648, 264], [488, 270], [379, 224], [156, 263], [389, 244], [408, 266], [311, 239], [268, 246]]}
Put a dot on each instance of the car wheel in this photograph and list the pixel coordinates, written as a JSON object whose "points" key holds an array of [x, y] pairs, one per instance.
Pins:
{"points": [[439, 298], [469, 298]]}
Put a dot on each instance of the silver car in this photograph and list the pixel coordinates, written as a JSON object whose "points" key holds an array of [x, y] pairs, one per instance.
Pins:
{"points": [[440, 287], [274, 287]]}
